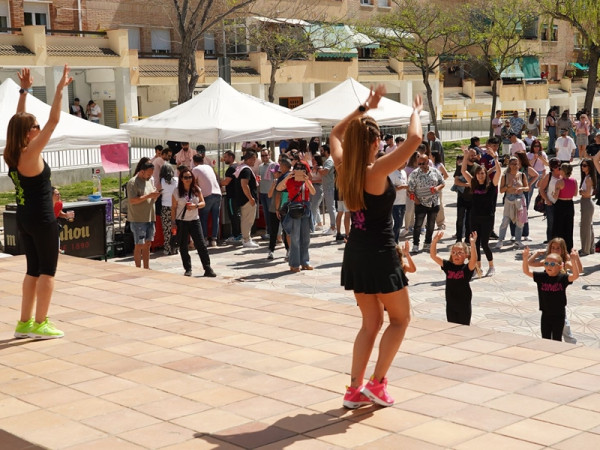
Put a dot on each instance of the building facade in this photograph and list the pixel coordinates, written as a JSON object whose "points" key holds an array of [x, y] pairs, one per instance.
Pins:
{"points": [[124, 57]]}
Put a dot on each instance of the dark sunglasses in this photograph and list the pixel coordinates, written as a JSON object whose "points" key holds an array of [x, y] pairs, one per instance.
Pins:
{"points": [[584, 165], [188, 177], [423, 164], [36, 127]]}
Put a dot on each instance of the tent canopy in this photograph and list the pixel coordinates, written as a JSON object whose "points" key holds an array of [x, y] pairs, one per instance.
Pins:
{"points": [[335, 104], [71, 132], [220, 114]]}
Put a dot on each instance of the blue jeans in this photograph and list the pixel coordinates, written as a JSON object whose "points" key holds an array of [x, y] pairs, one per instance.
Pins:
{"points": [[212, 208], [329, 199], [398, 214], [551, 139], [265, 201], [299, 230], [315, 202]]}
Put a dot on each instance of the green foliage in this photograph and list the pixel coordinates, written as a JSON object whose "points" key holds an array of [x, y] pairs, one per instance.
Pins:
{"points": [[76, 191]]}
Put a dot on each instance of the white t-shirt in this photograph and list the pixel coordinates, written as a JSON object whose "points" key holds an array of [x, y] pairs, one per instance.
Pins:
{"points": [[497, 126], [565, 146], [168, 189], [518, 146], [399, 178]]}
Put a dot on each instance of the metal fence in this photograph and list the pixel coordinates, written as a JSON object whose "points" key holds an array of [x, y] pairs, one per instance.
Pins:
{"points": [[450, 130]]}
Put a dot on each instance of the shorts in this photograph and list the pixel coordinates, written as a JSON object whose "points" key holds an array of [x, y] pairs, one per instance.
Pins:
{"points": [[142, 232], [341, 207], [582, 139]]}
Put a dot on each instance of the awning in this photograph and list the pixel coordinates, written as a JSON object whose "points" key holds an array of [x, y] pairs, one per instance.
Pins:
{"points": [[580, 66], [531, 67], [512, 71], [338, 41]]}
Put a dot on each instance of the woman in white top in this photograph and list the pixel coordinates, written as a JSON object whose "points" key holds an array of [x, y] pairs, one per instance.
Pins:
{"points": [[533, 124], [186, 201], [538, 160], [168, 183], [400, 182]]}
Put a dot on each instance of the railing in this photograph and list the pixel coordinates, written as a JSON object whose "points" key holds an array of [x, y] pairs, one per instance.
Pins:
{"points": [[52, 31]]}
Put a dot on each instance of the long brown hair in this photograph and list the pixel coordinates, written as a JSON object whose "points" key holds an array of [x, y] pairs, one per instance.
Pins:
{"points": [[16, 137], [358, 139], [194, 189]]}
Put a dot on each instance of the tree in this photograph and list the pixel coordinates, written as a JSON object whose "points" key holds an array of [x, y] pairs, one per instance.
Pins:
{"points": [[496, 30], [421, 33], [584, 16], [193, 18], [283, 37]]}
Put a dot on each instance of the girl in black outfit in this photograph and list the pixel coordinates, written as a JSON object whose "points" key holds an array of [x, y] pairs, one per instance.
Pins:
{"points": [[38, 229], [371, 267], [458, 275], [187, 200], [484, 207]]}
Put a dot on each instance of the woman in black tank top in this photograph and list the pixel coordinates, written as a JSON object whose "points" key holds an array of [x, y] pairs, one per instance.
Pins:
{"points": [[38, 232], [371, 266]]}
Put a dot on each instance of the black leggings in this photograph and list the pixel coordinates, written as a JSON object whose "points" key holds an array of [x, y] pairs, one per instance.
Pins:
{"points": [[463, 219], [40, 241], [483, 225], [552, 326], [274, 226], [564, 211], [186, 228]]}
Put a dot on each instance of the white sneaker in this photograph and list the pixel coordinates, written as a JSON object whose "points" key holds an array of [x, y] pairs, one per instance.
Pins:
{"points": [[415, 248], [491, 272], [498, 245], [270, 255], [329, 232], [403, 232], [250, 244], [519, 244], [319, 228]]}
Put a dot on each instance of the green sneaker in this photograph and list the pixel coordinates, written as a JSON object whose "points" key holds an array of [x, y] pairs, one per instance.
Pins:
{"points": [[45, 330], [23, 329]]}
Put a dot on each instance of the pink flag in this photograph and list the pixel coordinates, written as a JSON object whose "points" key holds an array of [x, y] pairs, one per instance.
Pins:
{"points": [[115, 157]]}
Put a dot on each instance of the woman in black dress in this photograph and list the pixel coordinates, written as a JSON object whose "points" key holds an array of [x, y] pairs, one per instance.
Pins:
{"points": [[38, 230], [371, 266]]}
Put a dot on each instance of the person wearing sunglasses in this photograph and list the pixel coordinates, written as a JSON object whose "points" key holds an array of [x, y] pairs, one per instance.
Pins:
{"points": [[186, 202], [424, 185], [587, 187], [38, 228], [552, 291], [546, 188]]}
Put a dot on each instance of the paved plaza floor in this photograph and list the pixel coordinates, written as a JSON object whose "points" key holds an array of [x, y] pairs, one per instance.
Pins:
{"points": [[259, 357]]}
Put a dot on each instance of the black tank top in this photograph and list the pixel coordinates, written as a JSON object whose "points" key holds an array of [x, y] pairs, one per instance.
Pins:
{"points": [[372, 227], [34, 195]]}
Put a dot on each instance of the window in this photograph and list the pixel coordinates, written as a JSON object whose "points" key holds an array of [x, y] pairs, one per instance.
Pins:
{"points": [[383, 3], [161, 41], [133, 34], [544, 34], [36, 14], [554, 33], [366, 2], [209, 44], [4, 22], [236, 38]]}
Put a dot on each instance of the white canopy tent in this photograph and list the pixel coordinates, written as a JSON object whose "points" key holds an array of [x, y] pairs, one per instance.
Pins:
{"points": [[71, 133], [335, 104], [219, 115]]}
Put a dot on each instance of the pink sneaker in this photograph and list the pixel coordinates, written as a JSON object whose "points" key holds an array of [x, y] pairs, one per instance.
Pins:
{"points": [[354, 398], [377, 392]]}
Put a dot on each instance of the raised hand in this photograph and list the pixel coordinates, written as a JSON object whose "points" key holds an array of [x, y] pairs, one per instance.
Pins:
{"points": [[418, 104], [439, 235], [65, 80], [473, 237], [406, 248], [25, 78], [526, 253], [375, 96]]}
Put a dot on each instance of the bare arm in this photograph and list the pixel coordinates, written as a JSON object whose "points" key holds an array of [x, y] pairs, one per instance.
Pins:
{"points": [[533, 175], [409, 264], [498, 172], [473, 256], [464, 171], [526, 269], [575, 267], [246, 189], [26, 81], [533, 262], [433, 249]]}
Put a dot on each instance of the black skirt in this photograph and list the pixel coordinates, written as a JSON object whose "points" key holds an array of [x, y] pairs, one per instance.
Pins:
{"points": [[372, 271]]}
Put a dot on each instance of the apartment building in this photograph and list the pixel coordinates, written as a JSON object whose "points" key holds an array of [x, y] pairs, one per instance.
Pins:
{"points": [[126, 59]]}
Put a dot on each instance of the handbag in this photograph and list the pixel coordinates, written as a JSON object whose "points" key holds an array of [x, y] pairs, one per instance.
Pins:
{"points": [[296, 210], [287, 207], [539, 204]]}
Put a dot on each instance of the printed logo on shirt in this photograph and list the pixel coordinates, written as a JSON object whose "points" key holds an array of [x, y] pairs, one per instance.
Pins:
{"points": [[551, 287], [358, 220], [456, 275]]}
